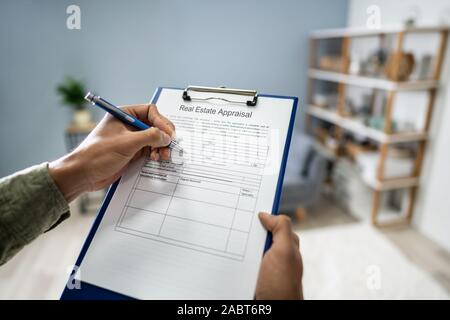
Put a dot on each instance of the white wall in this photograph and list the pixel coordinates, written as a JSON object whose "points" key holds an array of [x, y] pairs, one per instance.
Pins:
{"points": [[432, 213], [431, 12]]}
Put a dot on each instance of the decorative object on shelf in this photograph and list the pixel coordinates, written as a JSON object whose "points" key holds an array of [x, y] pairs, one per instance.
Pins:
{"points": [[350, 108], [332, 144], [412, 15], [405, 126], [360, 140], [361, 111], [326, 101], [401, 152], [326, 138], [331, 63], [377, 122], [72, 92], [355, 64], [366, 107], [353, 149], [405, 62], [320, 100], [424, 68], [375, 63]]}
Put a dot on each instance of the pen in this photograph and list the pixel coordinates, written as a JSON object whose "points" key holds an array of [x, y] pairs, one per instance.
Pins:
{"points": [[123, 116]]}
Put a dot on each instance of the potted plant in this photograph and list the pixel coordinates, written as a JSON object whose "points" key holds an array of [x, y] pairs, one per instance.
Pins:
{"points": [[72, 92]]}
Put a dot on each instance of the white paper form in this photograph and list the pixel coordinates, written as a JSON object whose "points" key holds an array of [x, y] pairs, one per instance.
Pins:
{"points": [[188, 228]]}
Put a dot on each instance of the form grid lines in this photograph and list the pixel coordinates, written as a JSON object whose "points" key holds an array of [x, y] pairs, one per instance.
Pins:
{"points": [[190, 204]]}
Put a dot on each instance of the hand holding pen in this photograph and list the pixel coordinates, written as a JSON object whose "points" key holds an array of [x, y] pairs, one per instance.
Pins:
{"points": [[131, 120], [105, 154]]}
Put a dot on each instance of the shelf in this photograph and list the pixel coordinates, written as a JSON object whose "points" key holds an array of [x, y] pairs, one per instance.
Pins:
{"points": [[361, 129], [391, 184], [346, 37], [382, 185], [387, 184], [365, 32], [369, 82]]}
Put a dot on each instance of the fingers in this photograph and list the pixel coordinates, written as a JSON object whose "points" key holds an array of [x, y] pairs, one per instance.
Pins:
{"points": [[154, 155], [153, 137], [150, 114], [267, 221], [157, 154], [139, 111], [160, 121], [164, 153], [280, 226], [156, 139]]}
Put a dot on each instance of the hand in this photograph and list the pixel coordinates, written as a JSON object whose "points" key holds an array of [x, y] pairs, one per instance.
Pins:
{"points": [[280, 275], [104, 155]]}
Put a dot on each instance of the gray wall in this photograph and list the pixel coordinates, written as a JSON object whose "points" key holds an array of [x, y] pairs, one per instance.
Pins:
{"points": [[126, 49]]}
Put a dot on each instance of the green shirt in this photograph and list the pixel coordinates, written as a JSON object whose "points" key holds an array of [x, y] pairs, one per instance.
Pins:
{"points": [[30, 204]]}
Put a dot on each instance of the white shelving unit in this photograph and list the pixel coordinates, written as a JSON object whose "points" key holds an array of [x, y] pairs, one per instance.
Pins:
{"points": [[385, 138], [359, 128]]}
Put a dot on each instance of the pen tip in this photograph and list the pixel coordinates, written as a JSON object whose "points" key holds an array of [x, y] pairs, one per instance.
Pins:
{"points": [[175, 146]]}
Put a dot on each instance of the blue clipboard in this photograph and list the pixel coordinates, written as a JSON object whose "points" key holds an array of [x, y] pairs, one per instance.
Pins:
{"points": [[91, 292]]}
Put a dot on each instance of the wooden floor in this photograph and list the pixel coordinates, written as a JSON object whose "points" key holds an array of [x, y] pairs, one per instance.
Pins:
{"points": [[40, 270], [422, 251]]}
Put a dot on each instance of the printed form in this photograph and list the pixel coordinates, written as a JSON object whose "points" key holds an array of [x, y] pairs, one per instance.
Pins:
{"points": [[188, 228]]}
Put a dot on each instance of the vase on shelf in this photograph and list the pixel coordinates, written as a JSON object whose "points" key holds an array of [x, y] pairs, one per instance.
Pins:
{"points": [[81, 118]]}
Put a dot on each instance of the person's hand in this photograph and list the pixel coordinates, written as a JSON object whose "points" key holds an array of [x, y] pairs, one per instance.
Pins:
{"points": [[280, 275], [104, 155]]}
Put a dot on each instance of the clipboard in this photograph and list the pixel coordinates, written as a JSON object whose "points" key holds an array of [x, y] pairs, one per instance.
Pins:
{"points": [[91, 292]]}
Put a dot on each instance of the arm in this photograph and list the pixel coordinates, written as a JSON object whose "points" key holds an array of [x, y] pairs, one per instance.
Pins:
{"points": [[30, 204], [35, 200]]}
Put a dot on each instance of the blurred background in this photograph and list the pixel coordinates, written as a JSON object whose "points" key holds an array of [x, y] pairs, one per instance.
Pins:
{"points": [[368, 173]]}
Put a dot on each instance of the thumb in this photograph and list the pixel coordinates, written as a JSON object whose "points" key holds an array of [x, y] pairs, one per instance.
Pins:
{"points": [[267, 220], [280, 226], [153, 137]]}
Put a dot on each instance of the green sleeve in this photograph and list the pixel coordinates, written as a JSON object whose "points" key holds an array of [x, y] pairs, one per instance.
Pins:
{"points": [[30, 204]]}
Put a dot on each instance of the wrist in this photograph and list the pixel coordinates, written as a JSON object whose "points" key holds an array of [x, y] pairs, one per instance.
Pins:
{"points": [[68, 174]]}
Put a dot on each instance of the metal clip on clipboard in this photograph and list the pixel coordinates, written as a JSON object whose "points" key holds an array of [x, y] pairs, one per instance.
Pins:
{"points": [[249, 93]]}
